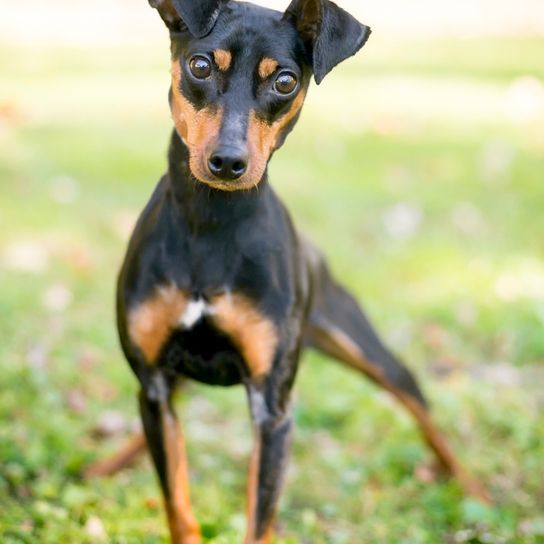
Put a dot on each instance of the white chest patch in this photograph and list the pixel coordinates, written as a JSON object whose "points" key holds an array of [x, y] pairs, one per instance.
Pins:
{"points": [[195, 310]]}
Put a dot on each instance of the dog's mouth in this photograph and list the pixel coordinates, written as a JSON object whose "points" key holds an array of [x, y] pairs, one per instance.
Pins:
{"points": [[228, 186], [224, 169]]}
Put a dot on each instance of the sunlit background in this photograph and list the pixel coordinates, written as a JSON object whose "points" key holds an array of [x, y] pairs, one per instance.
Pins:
{"points": [[418, 167]]}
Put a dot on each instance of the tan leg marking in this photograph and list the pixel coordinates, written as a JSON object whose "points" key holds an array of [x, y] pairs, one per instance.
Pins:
{"points": [[151, 322], [252, 495], [223, 59], [252, 488], [183, 525], [267, 67], [267, 537], [250, 331], [340, 346]]}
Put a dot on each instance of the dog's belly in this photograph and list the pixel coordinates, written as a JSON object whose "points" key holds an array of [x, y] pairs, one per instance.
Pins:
{"points": [[204, 354]]}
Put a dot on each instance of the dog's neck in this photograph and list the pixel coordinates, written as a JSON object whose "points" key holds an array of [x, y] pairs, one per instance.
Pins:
{"points": [[203, 207]]}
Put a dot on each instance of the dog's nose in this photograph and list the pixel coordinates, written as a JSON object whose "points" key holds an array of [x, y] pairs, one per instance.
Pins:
{"points": [[228, 163]]}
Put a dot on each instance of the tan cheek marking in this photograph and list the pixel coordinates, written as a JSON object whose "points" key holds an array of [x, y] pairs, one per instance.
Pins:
{"points": [[252, 333], [197, 128], [223, 59], [267, 67], [263, 138], [151, 323]]}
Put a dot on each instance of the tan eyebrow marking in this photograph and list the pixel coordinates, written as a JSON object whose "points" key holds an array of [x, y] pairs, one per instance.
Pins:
{"points": [[267, 67], [223, 59]]}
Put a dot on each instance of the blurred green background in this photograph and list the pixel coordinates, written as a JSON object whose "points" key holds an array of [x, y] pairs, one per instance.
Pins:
{"points": [[418, 167]]}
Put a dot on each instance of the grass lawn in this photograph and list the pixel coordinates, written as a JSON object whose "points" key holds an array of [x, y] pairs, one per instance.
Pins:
{"points": [[418, 168]]}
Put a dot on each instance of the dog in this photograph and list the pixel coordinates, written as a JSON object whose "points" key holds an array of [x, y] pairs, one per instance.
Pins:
{"points": [[217, 285]]}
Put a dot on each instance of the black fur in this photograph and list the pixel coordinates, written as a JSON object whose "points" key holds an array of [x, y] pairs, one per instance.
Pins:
{"points": [[206, 241], [329, 33]]}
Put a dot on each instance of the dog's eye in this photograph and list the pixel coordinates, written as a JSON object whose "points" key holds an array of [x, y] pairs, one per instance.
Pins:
{"points": [[200, 67], [285, 83]]}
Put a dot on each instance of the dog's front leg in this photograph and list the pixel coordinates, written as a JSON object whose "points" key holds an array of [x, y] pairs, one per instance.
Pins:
{"points": [[272, 424], [167, 448]]}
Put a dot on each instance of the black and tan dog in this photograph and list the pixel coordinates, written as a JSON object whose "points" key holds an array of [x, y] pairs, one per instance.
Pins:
{"points": [[217, 285]]}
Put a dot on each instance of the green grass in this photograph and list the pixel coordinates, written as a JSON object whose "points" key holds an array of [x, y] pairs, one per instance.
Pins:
{"points": [[424, 131]]}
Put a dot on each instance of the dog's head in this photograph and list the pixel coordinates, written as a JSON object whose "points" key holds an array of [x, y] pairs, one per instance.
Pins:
{"points": [[240, 74]]}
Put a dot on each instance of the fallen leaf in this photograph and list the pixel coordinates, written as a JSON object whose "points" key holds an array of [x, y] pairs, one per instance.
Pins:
{"points": [[111, 423], [468, 219], [75, 401], [496, 160], [36, 356], [123, 223], [57, 297], [434, 336], [26, 256], [524, 100], [95, 529], [152, 503], [402, 220], [64, 189], [425, 473]]}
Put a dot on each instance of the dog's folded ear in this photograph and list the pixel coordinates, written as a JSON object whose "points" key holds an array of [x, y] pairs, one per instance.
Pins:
{"points": [[329, 33], [198, 16]]}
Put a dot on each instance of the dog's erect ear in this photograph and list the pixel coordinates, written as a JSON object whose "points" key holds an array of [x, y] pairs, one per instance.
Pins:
{"points": [[330, 34], [198, 16]]}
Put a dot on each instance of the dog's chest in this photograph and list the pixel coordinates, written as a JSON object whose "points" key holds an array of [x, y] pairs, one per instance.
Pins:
{"points": [[203, 336], [195, 310]]}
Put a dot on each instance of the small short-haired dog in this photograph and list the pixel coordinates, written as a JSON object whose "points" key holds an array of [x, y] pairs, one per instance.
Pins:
{"points": [[217, 285]]}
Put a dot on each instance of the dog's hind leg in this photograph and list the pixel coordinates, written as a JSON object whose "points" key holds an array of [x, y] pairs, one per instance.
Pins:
{"points": [[338, 327], [124, 457]]}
